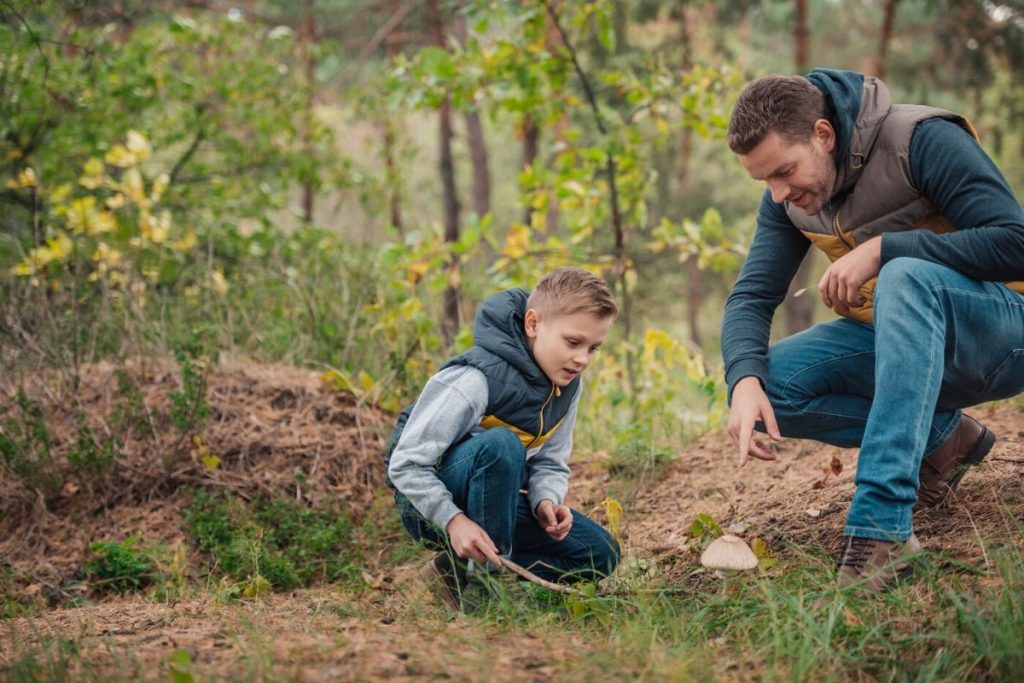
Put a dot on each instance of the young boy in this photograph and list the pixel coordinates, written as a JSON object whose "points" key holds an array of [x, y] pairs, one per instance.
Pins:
{"points": [[481, 460]]}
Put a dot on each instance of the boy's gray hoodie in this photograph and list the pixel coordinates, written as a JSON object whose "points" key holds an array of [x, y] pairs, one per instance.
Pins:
{"points": [[497, 379]]}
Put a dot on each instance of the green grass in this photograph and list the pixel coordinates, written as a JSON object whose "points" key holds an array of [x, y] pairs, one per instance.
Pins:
{"points": [[789, 624]]}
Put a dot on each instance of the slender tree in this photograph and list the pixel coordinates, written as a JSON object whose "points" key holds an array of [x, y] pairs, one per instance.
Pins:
{"points": [[450, 196], [476, 142], [885, 37], [799, 310]]}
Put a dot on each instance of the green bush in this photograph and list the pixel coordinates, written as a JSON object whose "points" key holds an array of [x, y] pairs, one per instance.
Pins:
{"points": [[118, 566], [279, 540]]}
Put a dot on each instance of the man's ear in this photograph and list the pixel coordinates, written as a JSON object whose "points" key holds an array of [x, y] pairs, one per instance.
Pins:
{"points": [[530, 321], [825, 134]]}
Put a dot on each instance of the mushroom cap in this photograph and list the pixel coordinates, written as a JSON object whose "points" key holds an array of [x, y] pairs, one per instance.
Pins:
{"points": [[728, 552]]}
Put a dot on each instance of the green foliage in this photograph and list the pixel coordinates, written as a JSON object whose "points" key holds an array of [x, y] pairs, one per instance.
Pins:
{"points": [[705, 528], [118, 566], [276, 544], [90, 457], [189, 406], [25, 443]]}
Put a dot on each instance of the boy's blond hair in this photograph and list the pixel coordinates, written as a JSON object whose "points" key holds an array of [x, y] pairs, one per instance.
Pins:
{"points": [[572, 290]]}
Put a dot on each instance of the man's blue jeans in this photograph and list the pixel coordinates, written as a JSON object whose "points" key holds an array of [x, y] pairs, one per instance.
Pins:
{"points": [[940, 342], [484, 475]]}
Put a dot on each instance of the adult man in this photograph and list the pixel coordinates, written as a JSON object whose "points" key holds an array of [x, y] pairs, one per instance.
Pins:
{"points": [[926, 240]]}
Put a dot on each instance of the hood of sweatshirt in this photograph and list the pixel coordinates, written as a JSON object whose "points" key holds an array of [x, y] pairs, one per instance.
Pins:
{"points": [[499, 328], [856, 105]]}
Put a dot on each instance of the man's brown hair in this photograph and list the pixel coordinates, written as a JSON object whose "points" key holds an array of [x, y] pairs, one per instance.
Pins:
{"points": [[787, 105], [572, 290]]}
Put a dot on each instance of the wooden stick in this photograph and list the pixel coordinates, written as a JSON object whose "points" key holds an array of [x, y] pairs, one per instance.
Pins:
{"points": [[533, 578]]}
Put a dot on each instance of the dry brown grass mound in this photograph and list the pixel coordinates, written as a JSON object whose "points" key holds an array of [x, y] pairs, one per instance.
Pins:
{"points": [[272, 431]]}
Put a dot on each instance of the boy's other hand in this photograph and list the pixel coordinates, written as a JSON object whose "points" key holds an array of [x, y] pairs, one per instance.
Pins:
{"points": [[750, 404], [470, 541], [556, 520]]}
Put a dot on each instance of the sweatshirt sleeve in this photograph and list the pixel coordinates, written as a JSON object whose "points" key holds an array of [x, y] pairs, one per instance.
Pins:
{"points": [[773, 259], [953, 172], [450, 406], [549, 468]]}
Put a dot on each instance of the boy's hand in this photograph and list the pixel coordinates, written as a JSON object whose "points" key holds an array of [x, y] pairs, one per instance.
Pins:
{"points": [[556, 520], [470, 541], [750, 404]]}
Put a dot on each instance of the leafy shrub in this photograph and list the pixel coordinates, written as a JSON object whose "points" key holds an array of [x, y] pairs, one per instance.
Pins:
{"points": [[25, 443], [278, 540], [118, 566]]}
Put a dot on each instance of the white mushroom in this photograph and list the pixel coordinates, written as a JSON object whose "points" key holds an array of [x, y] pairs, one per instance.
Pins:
{"points": [[729, 552]]}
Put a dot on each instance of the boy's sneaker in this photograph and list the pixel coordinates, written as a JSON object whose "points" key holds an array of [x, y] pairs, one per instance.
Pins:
{"points": [[875, 564], [942, 471], [446, 578]]}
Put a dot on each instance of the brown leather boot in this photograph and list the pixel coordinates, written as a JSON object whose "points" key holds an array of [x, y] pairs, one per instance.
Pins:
{"points": [[875, 563], [941, 471]]}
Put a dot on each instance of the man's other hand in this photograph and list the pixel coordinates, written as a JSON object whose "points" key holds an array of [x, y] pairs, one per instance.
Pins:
{"points": [[750, 404], [840, 285]]}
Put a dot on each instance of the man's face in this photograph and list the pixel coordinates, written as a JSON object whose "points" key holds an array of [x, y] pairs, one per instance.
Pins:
{"points": [[802, 174], [563, 345]]}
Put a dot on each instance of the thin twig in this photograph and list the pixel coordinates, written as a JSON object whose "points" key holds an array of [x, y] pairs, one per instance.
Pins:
{"points": [[533, 578]]}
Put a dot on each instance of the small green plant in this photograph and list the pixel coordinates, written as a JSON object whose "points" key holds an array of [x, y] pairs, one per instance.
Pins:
{"points": [[25, 443], [277, 541], [129, 414], [118, 566], [89, 456], [189, 406]]}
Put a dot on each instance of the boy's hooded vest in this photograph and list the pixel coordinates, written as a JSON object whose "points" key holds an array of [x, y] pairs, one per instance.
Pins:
{"points": [[520, 396], [874, 191]]}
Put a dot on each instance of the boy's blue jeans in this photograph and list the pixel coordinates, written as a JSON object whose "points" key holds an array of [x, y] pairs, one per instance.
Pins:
{"points": [[940, 342], [485, 474]]}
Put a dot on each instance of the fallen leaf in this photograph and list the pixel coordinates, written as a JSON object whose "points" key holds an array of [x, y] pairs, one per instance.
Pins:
{"points": [[837, 466], [813, 512], [820, 484]]}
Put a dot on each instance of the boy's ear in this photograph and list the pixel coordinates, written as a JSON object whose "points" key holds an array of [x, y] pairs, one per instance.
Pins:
{"points": [[530, 321]]}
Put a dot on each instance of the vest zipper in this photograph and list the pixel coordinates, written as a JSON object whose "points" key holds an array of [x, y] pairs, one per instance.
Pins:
{"points": [[839, 232], [540, 430]]}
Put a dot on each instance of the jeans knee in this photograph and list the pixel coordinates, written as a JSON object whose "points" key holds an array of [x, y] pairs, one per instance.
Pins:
{"points": [[501, 448], [606, 555], [903, 277]]}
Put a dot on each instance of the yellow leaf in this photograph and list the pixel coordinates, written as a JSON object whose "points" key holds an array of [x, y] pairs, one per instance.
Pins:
{"points": [[255, 587], [210, 462], [335, 381], [613, 511], [219, 284], [365, 380]]}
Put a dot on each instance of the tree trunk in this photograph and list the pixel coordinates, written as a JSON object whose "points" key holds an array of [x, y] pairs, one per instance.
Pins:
{"points": [[799, 311], [309, 41], [694, 293], [886, 37], [450, 323], [391, 172], [531, 142], [390, 145], [476, 142]]}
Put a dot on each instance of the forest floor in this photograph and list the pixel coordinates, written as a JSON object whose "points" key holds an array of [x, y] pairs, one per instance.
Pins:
{"points": [[267, 421]]}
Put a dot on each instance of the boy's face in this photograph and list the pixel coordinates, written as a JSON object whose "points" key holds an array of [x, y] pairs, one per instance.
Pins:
{"points": [[563, 345]]}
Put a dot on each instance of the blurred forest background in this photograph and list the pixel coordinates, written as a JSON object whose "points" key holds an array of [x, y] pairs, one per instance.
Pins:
{"points": [[337, 184]]}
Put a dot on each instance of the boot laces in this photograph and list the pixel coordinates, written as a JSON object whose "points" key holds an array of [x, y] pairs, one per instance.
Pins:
{"points": [[857, 552]]}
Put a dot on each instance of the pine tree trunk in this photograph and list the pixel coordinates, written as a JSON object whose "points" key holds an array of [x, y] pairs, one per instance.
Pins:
{"points": [[799, 311], [450, 198]]}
